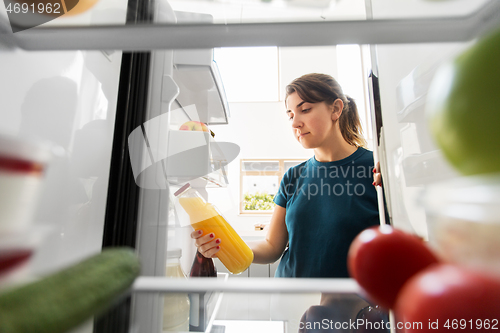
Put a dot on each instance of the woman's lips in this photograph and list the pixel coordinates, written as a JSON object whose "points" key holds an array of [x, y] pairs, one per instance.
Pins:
{"points": [[302, 135]]}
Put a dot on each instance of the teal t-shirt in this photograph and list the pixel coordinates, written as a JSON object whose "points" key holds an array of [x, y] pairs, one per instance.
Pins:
{"points": [[327, 205]]}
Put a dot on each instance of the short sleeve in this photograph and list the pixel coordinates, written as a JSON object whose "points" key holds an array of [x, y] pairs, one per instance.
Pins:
{"points": [[281, 198]]}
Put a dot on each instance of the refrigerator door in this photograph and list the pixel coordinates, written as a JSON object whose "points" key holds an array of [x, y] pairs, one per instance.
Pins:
{"points": [[409, 158]]}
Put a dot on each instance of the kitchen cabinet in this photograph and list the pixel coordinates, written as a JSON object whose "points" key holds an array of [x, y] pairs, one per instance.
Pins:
{"points": [[200, 85], [256, 270], [197, 75]]}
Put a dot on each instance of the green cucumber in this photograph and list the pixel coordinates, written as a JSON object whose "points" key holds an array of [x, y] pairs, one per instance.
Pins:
{"points": [[62, 301]]}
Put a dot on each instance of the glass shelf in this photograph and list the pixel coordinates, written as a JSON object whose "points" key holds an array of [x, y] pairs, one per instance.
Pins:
{"points": [[386, 22], [278, 305]]}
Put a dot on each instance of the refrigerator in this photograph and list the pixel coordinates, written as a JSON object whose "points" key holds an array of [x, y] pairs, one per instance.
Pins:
{"points": [[108, 90]]}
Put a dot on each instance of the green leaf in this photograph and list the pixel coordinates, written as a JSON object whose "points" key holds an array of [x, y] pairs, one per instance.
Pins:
{"points": [[258, 201]]}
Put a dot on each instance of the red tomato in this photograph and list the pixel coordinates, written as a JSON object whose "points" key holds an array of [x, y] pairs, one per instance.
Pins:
{"points": [[382, 259], [447, 298]]}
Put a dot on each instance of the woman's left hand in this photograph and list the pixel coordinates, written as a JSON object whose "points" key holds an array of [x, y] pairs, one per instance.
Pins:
{"points": [[377, 176]]}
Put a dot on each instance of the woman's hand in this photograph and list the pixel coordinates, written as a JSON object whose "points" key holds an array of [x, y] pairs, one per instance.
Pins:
{"points": [[207, 245], [377, 176]]}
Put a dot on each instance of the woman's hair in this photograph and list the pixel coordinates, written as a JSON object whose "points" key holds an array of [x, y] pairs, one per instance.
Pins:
{"points": [[316, 88]]}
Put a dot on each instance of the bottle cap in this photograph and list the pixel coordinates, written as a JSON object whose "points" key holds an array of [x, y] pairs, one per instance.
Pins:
{"points": [[182, 189], [174, 253]]}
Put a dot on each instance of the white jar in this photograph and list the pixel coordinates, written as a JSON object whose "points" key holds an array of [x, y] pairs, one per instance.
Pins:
{"points": [[176, 305], [22, 165]]}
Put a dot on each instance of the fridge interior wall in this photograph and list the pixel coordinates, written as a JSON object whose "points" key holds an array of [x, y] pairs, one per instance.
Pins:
{"points": [[69, 100]]}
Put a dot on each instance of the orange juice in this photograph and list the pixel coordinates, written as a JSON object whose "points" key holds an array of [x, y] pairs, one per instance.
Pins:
{"points": [[234, 253]]}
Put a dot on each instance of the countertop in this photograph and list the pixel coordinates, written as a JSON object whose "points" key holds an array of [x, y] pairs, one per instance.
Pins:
{"points": [[252, 235]]}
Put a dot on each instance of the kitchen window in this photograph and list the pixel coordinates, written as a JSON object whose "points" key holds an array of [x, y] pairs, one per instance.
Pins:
{"points": [[259, 183]]}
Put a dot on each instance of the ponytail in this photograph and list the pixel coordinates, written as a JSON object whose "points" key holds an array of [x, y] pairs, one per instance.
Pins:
{"points": [[350, 125], [316, 88]]}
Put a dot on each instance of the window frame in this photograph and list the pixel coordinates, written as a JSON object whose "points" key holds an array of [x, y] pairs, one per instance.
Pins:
{"points": [[280, 173]]}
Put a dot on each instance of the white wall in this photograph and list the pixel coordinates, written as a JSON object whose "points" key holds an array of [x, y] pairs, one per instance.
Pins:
{"points": [[262, 130]]}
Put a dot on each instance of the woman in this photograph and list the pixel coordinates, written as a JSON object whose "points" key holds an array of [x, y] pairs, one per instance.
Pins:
{"points": [[323, 203]]}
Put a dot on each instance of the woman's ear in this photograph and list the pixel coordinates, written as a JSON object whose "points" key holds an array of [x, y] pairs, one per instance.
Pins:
{"points": [[337, 108]]}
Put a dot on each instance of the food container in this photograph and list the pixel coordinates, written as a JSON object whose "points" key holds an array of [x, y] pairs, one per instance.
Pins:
{"points": [[176, 305], [22, 164], [463, 219]]}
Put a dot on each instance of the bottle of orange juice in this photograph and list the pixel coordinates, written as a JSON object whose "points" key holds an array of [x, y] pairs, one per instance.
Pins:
{"points": [[234, 253]]}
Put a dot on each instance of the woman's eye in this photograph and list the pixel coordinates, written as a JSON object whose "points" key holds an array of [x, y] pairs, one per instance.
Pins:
{"points": [[290, 118], [306, 110]]}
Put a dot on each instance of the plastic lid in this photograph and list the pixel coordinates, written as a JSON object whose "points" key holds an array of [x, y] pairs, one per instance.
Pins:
{"points": [[174, 253], [182, 189], [25, 149]]}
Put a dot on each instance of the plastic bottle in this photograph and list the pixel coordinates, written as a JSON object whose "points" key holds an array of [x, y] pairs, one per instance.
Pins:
{"points": [[234, 252], [177, 307], [202, 267]]}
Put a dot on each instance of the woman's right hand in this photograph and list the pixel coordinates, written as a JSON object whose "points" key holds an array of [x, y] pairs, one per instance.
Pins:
{"points": [[208, 245], [377, 175]]}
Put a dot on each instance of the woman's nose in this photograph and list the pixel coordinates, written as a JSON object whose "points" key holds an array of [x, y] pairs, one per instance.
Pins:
{"points": [[296, 123]]}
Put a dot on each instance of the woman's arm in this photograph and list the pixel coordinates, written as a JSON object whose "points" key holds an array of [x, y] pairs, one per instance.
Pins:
{"points": [[271, 249]]}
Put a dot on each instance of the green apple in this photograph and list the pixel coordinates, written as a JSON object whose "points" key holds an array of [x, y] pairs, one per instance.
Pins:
{"points": [[463, 106], [194, 126]]}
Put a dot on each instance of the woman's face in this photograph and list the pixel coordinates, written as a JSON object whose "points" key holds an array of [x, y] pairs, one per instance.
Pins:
{"points": [[312, 123]]}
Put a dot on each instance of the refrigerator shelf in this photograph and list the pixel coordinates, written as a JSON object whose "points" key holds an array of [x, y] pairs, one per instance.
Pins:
{"points": [[203, 35], [148, 284]]}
